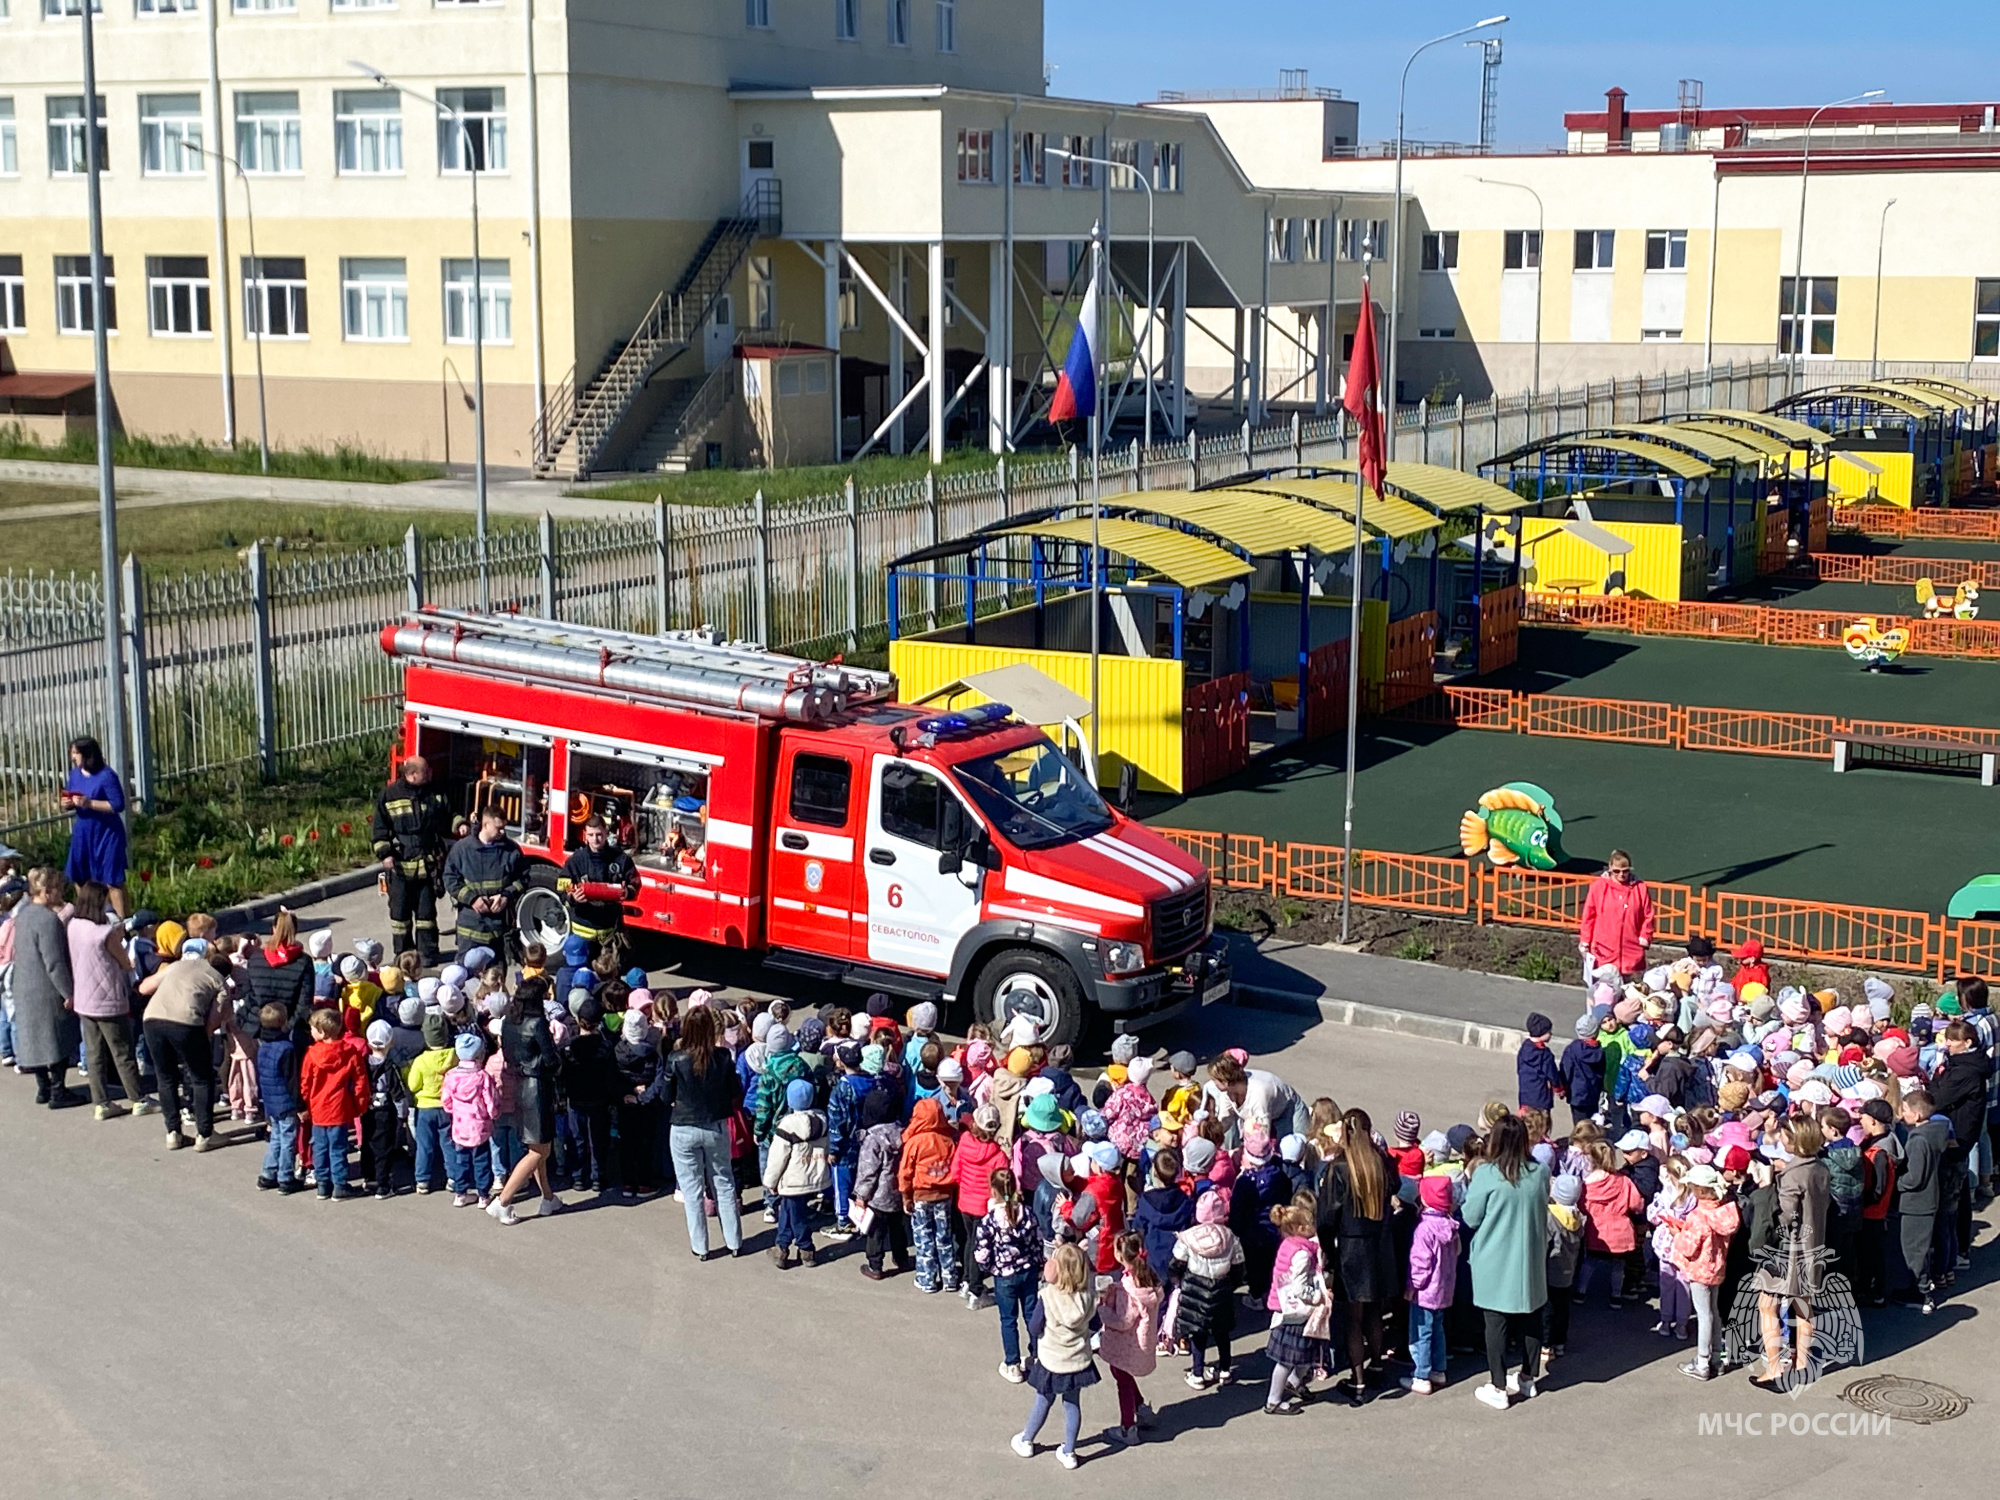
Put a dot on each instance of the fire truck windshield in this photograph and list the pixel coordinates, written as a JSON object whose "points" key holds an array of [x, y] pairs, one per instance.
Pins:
{"points": [[1034, 796]]}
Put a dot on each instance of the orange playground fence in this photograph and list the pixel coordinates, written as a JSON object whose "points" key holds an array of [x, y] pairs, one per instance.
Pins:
{"points": [[1894, 520], [1756, 623]]}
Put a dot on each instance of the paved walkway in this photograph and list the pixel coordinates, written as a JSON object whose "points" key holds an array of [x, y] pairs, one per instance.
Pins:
{"points": [[513, 495]]}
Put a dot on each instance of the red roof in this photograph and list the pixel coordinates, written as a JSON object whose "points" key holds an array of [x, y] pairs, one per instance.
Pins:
{"points": [[778, 351], [44, 387], [1965, 117]]}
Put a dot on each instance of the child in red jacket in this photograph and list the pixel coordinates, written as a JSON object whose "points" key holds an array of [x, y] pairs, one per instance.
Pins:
{"points": [[973, 1162], [1108, 1189], [333, 1080]]}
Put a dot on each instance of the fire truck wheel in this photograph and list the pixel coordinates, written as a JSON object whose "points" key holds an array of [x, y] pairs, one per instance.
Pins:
{"points": [[541, 916], [1027, 981]]}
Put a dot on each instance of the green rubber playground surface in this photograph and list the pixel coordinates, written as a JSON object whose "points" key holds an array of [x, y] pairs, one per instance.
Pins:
{"points": [[1882, 546], [1732, 674], [1887, 838], [1779, 592]]}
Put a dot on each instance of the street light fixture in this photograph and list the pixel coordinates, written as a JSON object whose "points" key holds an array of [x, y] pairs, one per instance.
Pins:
{"points": [[1541, 252], [1875, 345], [472, 167], [1801, 314], [1396, 225], [1146, 339], [263, 313]]}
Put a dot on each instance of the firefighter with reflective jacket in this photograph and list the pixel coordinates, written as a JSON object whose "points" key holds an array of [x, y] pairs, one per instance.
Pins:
{"points": [[598, 864], [412, 826], [484, 875]]}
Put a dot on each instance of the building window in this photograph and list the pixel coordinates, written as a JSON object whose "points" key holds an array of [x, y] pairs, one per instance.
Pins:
{"points": [[73, 300], [1440, 251], [368, 133], [1363, 239], [484, 112], [1284, 244], [1814, 302], [248, 7], [757, 13], [1660, 335], [1077, 172], [1437, 333], [1166, 167], [13, 296], [1031, 162], [177, 292], [847, 20], [1127, 159], [164, 7], [1986, 319], [67, 148], [274, 296], [54, 8], [364, 4], [947, 25], [1523, 250], [10, 151], [1666, 249], [763, 294], [1313, 240], [169, 133], [1593, 249], [975, 156], [267, 133], [496, 298], [850, 303], [374, 302], [899, 23]]}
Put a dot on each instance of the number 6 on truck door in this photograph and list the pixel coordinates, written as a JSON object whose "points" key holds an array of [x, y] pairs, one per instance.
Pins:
{"points": [[916, 915]]}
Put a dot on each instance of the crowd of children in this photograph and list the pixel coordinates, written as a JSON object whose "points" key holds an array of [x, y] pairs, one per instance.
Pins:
{"points": [[1734, 1158]]}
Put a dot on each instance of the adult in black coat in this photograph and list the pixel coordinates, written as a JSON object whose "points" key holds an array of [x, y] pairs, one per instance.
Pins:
{"points": [[1959, 1092], [1357, 1195]]}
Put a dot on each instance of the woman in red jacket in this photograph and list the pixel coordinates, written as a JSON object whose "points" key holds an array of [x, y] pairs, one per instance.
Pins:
{"points": [[1617, 923]]}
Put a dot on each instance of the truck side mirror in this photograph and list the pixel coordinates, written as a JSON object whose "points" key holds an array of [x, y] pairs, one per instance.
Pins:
{"points": [[950, 861]]}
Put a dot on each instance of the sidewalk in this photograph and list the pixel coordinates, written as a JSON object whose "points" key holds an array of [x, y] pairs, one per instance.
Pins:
{"points": [[1392, 994], [504, 497]]}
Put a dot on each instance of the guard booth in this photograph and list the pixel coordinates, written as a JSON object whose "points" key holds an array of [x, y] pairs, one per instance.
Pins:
{"points": [[1904, 442]]}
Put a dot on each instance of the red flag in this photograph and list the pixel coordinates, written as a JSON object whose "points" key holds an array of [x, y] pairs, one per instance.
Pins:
{"points": [[1362, 375]]}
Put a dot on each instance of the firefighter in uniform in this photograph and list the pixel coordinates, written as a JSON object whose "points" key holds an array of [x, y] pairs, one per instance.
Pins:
{"points": [[484, 875], [599, 864], [411, 828]]}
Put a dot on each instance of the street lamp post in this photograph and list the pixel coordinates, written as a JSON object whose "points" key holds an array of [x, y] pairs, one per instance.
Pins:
{"points": [[1875, 344], [107, 490], [472, 164], [1146, 341], [1801, 314], [263, 313], [1396, 226], [1541, 251]]}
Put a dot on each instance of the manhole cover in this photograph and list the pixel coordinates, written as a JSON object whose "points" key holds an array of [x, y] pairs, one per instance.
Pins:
{"points": [[1906, 1400]]}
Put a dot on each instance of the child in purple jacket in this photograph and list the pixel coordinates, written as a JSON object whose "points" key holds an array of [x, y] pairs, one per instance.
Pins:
{"points": [[1433, 1275]]}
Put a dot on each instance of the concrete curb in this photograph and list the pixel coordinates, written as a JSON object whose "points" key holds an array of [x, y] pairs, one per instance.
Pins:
{"points": [[231, 918], [1380, 1018]]}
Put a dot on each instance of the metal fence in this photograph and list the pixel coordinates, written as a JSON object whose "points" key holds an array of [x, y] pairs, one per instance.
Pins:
{"points": [[260, 666]]}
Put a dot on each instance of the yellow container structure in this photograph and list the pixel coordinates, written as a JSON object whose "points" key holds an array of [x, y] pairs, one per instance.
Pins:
{"points": [[1141, 698], [1878, 477], [1555, 559]]}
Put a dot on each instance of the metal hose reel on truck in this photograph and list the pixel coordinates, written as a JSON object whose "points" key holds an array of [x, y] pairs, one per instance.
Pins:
{"points": [[795, 807]]}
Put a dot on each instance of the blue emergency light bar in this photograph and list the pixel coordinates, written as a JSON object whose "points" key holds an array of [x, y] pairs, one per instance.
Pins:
{"points": [[981, 716]]}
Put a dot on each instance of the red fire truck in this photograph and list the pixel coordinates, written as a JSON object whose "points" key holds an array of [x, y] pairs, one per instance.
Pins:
{"points": [[794, 807]]}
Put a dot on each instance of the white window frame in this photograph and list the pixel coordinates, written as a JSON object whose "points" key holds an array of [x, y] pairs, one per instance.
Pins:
{"points": [[196, 291], [164, 138], [1788, 317], [1030, 159], [975, 156], [1521, 250], [1166, 166], [165, 7], [1077, 172], [10, 139], [489, 125], [1313, 241], [1983, 321], [757, 14], [53, 10], [13, 295], [340, 5], [73, 295], [847, 20], [365, 292], [899, 22], [1601, 255], [270, 144], [264, 7], [496, 290], [947, 25], [1669, 243], [1437, 253], [761, 278], [1127, 158], [1363, 239], [1437, 334], [352, 127], [259, 288], [74, 148], [1283, 247], [850, 303]]}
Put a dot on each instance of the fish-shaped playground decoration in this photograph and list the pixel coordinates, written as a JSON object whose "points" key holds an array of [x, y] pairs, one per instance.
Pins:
{"points": [[1515, 824], [1873, 646]]}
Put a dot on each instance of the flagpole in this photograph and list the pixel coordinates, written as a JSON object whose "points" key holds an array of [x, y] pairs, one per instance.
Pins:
{"points": [[1095, 335], [1353, 657]]}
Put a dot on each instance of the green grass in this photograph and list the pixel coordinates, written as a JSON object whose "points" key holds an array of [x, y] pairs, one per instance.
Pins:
{"points": [[19, 494], [206, 534], [341, 461], [735, 486]]}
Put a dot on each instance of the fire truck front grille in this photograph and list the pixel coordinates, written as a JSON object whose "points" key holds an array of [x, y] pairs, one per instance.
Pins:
{"points": [[1179, 922]]}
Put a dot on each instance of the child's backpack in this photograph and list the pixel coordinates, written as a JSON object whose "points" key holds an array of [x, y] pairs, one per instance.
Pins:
{"points": [[1630, 1087]]}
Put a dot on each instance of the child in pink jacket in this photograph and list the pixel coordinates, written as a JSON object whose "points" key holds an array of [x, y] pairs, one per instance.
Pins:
{"points": [[1128, 1113], [1130, 1314], [973, 1161], [1700, 1251], [470, 1100]]}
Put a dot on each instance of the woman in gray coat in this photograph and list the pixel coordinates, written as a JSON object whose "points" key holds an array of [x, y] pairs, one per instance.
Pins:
{"points": [[1792, 1276], [46, 1031]]}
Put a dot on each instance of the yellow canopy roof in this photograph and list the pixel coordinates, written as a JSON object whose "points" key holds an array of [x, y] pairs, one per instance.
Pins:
{"points": [[1443, 490], [1174, 555], [1683, 465], [1714, 447], [1767, 443], [1941, 395], [1884, 396], [1261, 525], [1381, 515], [1971, 393], [1762, 421]]}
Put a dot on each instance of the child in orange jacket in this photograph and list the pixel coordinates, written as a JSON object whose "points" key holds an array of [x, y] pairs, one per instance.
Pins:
{"points": [[333, 1081]]}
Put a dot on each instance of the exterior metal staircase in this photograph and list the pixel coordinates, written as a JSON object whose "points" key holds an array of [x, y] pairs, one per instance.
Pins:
{"points": [[578, 425], [669, 444]]}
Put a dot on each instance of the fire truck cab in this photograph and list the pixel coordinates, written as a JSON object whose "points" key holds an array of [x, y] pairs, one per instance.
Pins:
{"points": [[795, 808]]}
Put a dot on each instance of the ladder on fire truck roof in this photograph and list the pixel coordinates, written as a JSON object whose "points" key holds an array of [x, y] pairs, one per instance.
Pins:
{"points": [[691, 668]]}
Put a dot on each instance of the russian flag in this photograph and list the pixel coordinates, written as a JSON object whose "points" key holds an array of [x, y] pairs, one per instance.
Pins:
{"points": [[1076, 387]]}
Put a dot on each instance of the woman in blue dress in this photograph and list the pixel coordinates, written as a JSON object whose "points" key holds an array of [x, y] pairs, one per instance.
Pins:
{"points": [[95, 800]]}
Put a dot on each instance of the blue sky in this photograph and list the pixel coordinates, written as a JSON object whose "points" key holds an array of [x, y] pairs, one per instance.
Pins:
{"points": [[1560, 54]]}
